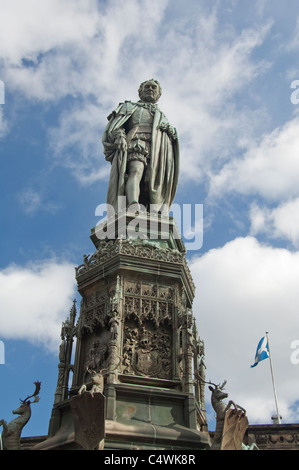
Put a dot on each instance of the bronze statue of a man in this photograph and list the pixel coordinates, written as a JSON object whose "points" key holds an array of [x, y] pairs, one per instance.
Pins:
{"points": [[143, 149]]}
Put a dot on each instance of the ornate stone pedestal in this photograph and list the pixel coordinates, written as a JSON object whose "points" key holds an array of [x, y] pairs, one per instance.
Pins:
{"points": [[136, 327]]}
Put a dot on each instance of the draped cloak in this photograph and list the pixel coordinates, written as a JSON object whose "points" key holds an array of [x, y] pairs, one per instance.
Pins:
{"points": [[160, 177]]}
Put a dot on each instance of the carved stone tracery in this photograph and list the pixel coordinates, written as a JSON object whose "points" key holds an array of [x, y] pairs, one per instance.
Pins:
{"points": [[148, 317]]}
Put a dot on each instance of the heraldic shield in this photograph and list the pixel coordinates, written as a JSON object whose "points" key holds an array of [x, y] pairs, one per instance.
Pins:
{"points": [[89, 419], [235, 425]]}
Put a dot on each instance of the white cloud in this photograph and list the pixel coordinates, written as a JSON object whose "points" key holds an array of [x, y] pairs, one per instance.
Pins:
{"points": [[28, 29], [217, 64], [74, 47], [30, 200], [33, 201], [76, 143], [280, 222], [34, 300], [269, 169], [245, 289], [294, 42], [101, 53], [4, 125]]}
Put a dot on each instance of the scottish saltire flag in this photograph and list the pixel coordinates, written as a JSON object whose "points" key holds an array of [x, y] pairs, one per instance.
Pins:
{"points": [[262, 351]]}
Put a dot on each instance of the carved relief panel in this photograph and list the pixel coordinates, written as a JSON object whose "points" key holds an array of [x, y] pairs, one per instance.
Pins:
{"points": [[95, 353], [98, 330], [147, 350], [148, 330]]}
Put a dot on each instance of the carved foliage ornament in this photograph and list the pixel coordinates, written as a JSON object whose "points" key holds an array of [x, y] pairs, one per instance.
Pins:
{"points": [[111, 248]]}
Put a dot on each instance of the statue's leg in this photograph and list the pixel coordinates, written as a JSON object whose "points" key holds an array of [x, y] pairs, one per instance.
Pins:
{"points": [[135, 172]]}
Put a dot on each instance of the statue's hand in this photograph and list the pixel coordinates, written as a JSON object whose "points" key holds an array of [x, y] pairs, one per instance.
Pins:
{"points": [[121, 145], [120, 141], [170, 130], [163, 127]]}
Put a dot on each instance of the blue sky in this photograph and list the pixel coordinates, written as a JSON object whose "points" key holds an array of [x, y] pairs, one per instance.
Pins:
{"points": [[226, 69]]}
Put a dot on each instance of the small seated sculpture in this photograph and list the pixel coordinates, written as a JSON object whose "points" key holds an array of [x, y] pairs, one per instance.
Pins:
{"points": [[97, 383]]}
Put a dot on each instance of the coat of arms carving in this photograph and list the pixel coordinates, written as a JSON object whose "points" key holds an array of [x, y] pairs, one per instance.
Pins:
{"points": [[147, 352], [146, 360]]}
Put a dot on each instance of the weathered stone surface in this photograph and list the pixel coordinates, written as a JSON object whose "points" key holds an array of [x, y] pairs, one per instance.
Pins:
{"points": [[137, 329]]}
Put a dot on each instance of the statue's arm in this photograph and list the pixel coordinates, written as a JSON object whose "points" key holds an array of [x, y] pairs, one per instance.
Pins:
{"points": [[119, 142], [114, 137], [169, 129]]}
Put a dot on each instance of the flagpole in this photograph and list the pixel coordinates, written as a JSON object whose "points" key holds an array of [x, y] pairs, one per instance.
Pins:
{"points": [[273, 381]]}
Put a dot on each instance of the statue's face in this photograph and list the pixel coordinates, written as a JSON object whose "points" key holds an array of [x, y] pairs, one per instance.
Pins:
{"points": [[150, 92]]}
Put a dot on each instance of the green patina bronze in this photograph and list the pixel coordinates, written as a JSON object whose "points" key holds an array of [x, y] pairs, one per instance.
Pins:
{"points": [[143, 149]]}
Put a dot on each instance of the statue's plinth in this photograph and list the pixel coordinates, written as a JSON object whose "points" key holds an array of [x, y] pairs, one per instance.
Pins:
{"points": [[137, 327], [138, 226]]}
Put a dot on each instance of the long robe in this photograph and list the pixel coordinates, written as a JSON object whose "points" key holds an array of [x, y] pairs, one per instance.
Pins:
{"points": [[160, 178]]}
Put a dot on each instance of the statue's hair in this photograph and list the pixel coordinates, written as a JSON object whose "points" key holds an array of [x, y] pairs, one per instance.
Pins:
{"points": [[150, 80]]}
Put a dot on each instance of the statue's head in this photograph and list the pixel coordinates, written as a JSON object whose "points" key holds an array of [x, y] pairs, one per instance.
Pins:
{"points": [[150, 91]]}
